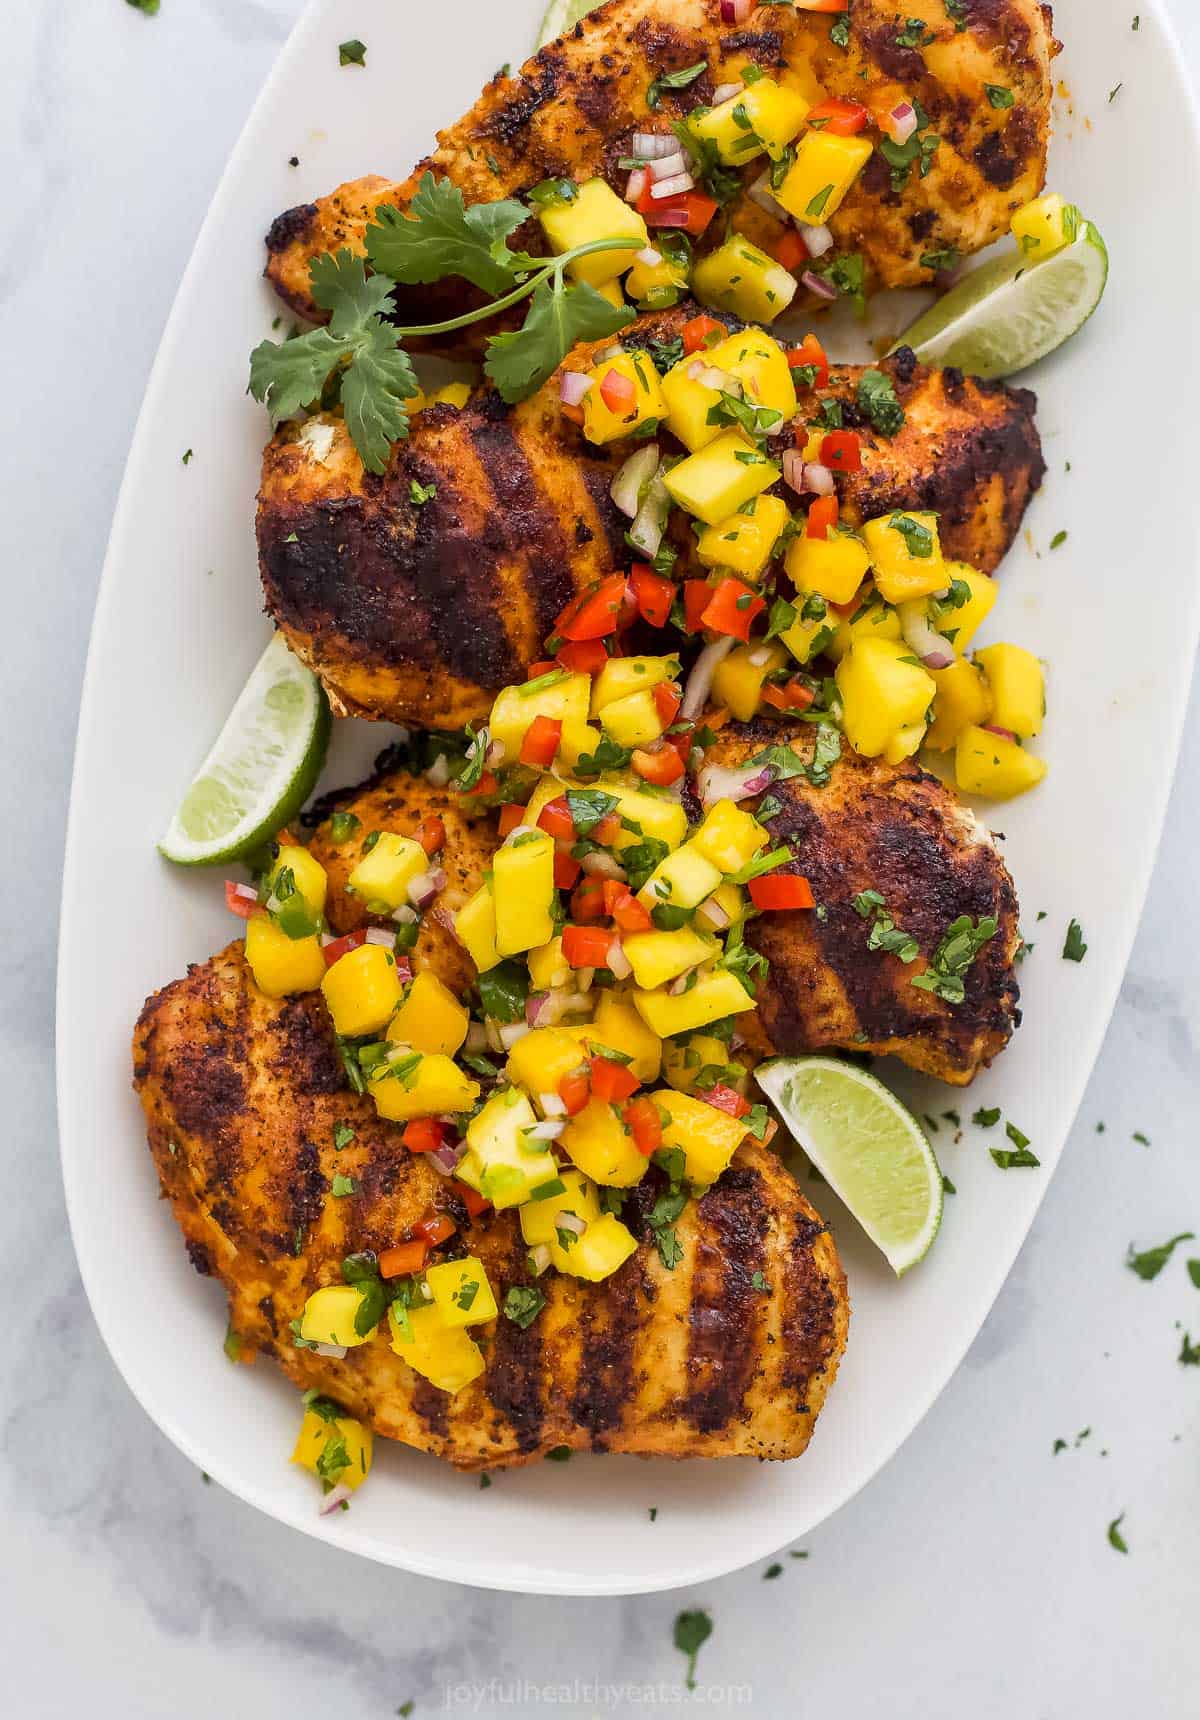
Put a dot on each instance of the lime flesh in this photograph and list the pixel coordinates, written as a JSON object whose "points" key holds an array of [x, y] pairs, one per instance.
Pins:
{"points": [[261, 770], [871, 1150], [1005, 316], [561, 16]]}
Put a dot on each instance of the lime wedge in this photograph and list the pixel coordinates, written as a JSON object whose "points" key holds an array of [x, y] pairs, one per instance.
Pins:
{"points": [[871, 1151], [1008, 314], [262, 769], [561, 16]]}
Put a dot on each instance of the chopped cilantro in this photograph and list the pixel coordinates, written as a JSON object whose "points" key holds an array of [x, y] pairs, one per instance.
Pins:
{"points": [[419, 494], [999, 95], [1115, 1537], [692, 1630], [1074, 948], [352, 53], [673, 81], [987, 1117], [1150, 1262], [1057, 541], [877, 399], [523, 1304]]}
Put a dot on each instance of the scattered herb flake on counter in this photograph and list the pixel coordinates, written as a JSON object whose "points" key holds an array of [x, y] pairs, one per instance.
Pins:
{"points": [[405, 1709], [653, 1513], [1150, 1262], [186, 458], [947, 1186], [692, 1630], [775, 1570], [352, 53], [1057, 541], [1189, 1354], [1142, 1140], [1115, 1537], [986, 1117], [1114, 93]]}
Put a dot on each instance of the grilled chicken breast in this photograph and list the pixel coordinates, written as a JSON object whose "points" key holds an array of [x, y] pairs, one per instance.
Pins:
{"points": [[241, 1094], [420, 612], [873, 826], [571, 109]]}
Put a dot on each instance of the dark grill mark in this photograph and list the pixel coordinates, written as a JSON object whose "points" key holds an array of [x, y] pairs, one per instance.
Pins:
{"points": [[513, 1379], [608, 1329], [199, 1256], [530, 523], [307, 1054], [726, 1310]]}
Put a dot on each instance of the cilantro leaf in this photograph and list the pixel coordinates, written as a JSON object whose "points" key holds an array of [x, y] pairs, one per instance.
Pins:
{"points": [[374, 388], [692, 1630], [1115, 1537], [438, 235], [523, 1304], [877, 399], [559, 316], [352, 53], [673, 81], [1074, 948]]}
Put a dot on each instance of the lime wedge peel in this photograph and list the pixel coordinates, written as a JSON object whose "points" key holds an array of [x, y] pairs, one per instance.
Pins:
{"points": [[869, 1148], [561, 16], [262, 768], [1010, 313]]}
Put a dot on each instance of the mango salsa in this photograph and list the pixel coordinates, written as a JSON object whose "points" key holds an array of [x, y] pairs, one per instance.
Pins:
{"points": [[475, 928], [763, 115], [618, 1025], [382, 876], [447, 1356], [515, 708], [906, 552], [962, 698], [540, 1060], [607, 422], [461, 1292], [739, 680], [756, 360], [503, 1161], [524, 892], [539, 1218], [337, 1451], [329, 1316], [602, 1148], [1046, 225], [996, 768], [1018, 688], [961, 623], [682, 880], [738, 277], [431, 1018], [281, 965], [834, 567], [308, 875], [729, 836], [743, 543], [707, 1136], [885, 695], [622, 676], [420, 1084], [661, 956], [633, 721], [713, 997], [824, 169], [363, 990], [605, 1245]]}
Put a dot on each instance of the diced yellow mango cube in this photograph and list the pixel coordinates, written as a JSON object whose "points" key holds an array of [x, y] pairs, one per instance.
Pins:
{"points": [[447, 1356], [595, 212], [661, 956], [962, 698], [738, 679], [633, 721], [363, 990], [884, 689], [738, 277], [834, 567], [824, 169], [577, 738], [716, 482], [906, 552], [329, 1316], [1018, 688], [461, 1292], [503, 1161], [308, 874], [431, 1018], [547, 968], [1046, 225], [612, 291], [382, 876], [541, 1059], [743, 543], [281, 965], [608, 422], [454, 394], [539, 1217], [430, 1086], [730, 129], [601, 1146], [729, 899], [713, 997], [873, 619], [681, 880], [656, 286], [689, 402], [729, 836], [337, 1451], [996, 768], [756, 360], [686, 1060], [605, 1245], [514, 710], [524, 892], [812, 631], [960, 624], [708, 1137], [475, 928], [622, 676], [660, 817], [618, 1025]]}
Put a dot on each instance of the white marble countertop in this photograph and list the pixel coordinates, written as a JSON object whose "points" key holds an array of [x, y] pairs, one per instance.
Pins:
{"points": [[971, 1579]]}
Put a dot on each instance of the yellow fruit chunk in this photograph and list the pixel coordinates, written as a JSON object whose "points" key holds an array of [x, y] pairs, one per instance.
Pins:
{"points": [[431, 1018], [577, 738], [738, 680], [962, 698], [549, 788], [547, 969], [1018, 688], [329, 1316], [715, 995], [682, 880], [503, 1161], [461, 1292], [337, 1451], [763, 115], [602, 1148], [308, 875], [873, 619], [633, 721], [662, 818], [611, 290], [282, 965], [824, 169], [720, 478], [539, 1060], [603, 422], [707, 1136], [618, 1025], [515, 708], [743, 543], [363, 990], [812, 631], [661, 956], [961, 624], [907, 555], [738, 277], [524, 893], [1046, 225], [689, 402], [622, 676], [729, 836], [382, 876], [996, 768], [655, 286], [454, 394], [834, 567], [594, 212], [447, 1356], [605, 1245], [475, 928], [686, 1061], [882, 694], [539, 1218], [729, 899], [417, 1084], [756, 360]]}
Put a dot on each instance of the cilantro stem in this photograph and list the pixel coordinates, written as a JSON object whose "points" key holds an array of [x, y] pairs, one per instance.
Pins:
{"points": [[556, 267]]}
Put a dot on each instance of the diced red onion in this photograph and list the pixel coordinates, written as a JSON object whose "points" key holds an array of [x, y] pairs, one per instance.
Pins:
{"points": [[336, 1497], [549, 1130], [634, 474], [817, 240], [573, 385], [425, 886], [713, 915], [444, 1159], [476, 1039], [334, 1352], [379, 935], [760, 192], [569, 1221], [760, 655], [923, 640], [672, 217], [994, 729], [668, 166], [818, 285], [520, 830], [511, 1032], [652, 145], [793, 469], [544, 1008], [551, 1105], [245, 892], [535, 1003], [725, 92], [438, 774], [649, 258], [712, 376], [539, 1259], [900, 122], [716, 782], [619, 964], [699, 681], [602, 865], [636, 185], [675, 186], [736, 11], [818, 478]]}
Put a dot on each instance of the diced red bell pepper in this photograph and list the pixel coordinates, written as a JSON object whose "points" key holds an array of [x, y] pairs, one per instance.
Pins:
{"points": [[667, 700], [342, 946], [699, 333], [781, 890], [434, 1228], [405, 1258], [726, 1099], [555, 819], [575, 1090], [822, 514], [510, 817], [612, 1081], [582, 657], [691, 211], [545, 666], [621, 905], [794, 696], [596, 611], [653, 593], [732, 607], [566, 870], [432, 835], [810, 351], [662, 767], [488, 783], [541, 741], [839, 118], [644, 1124], [586, 946], [588, 901], [471, 1198], [605, 833], [696, 596], [617, 392], [842, 451], [791, 251], [245, 907], [424, 1135]]}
